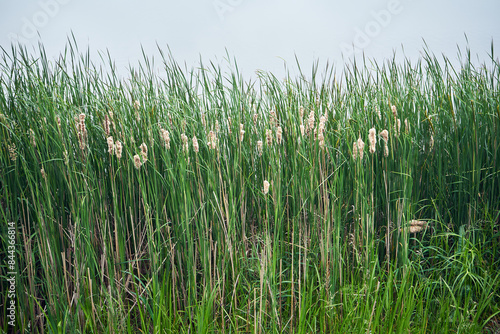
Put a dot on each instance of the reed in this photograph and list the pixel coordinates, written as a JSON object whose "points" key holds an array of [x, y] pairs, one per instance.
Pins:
{"points": [[140, 207]]}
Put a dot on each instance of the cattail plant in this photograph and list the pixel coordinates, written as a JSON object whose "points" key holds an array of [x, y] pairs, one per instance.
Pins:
{"points": [[212, 140], [310, 122], [105, 125], [118, 149], [165, 136], [372, 138], [185, 144], [279, 135], [242, 132], [12, 152], [266, 187], [361, 147], [260, 147], [385, 137], [196, 148], [111, 145], [269, 137], [144, 152], [397, 127], [394, 111], [137, 161], [272, 117], [82, 132]]}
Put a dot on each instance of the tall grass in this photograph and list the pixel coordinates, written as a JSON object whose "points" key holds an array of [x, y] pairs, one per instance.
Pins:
{"points": [[262, 211]]}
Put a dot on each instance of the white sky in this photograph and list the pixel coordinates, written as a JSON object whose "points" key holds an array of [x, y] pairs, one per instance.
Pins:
{"points": [[259, 34]]}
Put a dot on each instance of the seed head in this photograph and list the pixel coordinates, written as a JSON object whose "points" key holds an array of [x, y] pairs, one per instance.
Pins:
{"points": [[137, 104], [431, 142], [272, 117], [377, 110], [279, 134], [407, 126], [111, 145], [137, 161], [302, 130], [165, 136], [106, 125], [44, 176], [354, 150], [269, 137], [144, 152], [301, 113], [394, 111], [185, 144], [417, 226], [242, 132], [196, 148], [212, 140], [321, 139], [361, 147], [385, 135], [397, 127], [311, 121], [372, 138], [203, 120], [118, 149], [266, 187], [12, 152], [260, 147], [255, 118]]}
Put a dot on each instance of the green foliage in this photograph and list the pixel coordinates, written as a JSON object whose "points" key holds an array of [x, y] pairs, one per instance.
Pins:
{"points": [[182, 235]]}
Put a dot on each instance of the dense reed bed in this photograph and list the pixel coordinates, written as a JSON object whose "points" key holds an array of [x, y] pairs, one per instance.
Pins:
{"points": [[194, 201]]}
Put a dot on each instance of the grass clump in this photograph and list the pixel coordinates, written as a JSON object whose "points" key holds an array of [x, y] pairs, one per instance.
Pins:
{"points": [[195, 201]]}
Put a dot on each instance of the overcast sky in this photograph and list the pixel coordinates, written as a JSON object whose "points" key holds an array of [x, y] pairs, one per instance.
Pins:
{"points": [[261, 35]]}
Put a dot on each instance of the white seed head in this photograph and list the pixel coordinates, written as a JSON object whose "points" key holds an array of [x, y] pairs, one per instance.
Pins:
{"points": [[144, 152], [310, 121], [385, 135], [137, 161], [196, 147], [165, 136], [260, 145], [361, 147], [12, 152], [185, 144], [372, 138], [242, 132], [111, 145], [394, 111], [269, 137], [118, 149], [212, 140], [266, 187], [302, 130]]}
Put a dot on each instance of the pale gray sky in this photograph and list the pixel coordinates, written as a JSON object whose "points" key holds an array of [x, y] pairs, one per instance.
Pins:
{"points": [[260, 34]]}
